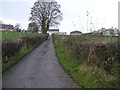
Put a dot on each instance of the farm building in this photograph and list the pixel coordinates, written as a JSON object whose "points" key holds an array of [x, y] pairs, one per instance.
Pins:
{"points": [[4, 27], [62, 33], [39, 31], [75, 33], [109, 32], [51, 31]]}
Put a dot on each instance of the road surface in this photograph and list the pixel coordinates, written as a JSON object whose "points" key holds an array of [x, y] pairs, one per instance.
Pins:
{"points": [[39, 69]]}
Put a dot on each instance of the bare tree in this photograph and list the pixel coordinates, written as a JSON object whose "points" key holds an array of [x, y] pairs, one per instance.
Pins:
{"points": [[46, 14]]}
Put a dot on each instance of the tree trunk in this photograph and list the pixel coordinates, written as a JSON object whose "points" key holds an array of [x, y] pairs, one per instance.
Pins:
{"points": [[44, 26]]}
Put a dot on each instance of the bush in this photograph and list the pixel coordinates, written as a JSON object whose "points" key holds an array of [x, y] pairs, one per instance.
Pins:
{"points": [[100, 54], [12, 47]]}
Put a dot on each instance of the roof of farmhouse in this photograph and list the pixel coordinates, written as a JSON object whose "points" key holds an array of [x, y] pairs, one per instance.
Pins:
{"points": [[76, 32], [53, 30]]}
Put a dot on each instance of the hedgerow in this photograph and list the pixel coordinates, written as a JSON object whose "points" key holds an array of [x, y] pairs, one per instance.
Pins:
{"points": [[95, 51], [12, 48]]}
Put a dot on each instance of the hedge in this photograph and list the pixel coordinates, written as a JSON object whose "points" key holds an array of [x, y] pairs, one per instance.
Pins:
{"points": [[12, 47], [100, 53]]}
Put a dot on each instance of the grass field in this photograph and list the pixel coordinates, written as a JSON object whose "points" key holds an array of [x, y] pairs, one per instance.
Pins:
{"points": [[7, 35], [92, 38], [0, 35]]}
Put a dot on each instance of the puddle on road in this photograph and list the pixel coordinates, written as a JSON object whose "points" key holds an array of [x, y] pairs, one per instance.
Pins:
{"points": [[46, 46], [42, 52], [31, 78]]}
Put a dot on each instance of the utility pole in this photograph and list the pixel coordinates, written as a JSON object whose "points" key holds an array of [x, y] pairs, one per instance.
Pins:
{"points": [[87, 19], [73, 24], [91, 24], [80, 23]]}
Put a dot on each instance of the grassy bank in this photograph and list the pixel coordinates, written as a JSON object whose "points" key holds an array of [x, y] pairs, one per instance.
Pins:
{"points": [[85, 74], [13, 60], [14, 49]]}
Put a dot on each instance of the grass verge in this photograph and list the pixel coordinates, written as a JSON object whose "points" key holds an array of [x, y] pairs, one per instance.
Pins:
{"points": [[15, 59], [85, 75]]}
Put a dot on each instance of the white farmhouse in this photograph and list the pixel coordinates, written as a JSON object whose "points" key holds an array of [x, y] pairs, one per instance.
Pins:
{"points": [[62, 33], [39, 31], [53, 31], [8, 27]]}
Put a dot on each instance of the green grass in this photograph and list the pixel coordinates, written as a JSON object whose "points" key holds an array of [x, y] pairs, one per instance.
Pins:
{"points": [[92, 38], [0, 52], [23, 51], [85, 75], [7, 35], [0, 35], [15, 59]]}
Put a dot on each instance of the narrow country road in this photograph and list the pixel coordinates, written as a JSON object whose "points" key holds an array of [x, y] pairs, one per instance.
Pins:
{"points": [[39, 69]]}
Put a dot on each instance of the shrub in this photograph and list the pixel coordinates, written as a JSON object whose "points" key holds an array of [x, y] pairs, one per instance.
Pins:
{"points": [[88, 58], [101, 53], [12, 47]]}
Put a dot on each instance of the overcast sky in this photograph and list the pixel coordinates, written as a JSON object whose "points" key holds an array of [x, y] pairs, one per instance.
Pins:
{"points": [[102, 13]]}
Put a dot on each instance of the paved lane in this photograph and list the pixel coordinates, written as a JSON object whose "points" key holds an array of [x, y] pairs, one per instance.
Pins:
{"points": [[39, 69]]}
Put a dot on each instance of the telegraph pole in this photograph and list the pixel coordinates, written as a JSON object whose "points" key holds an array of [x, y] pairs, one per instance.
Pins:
{"points": [[87, 19], [91, 24], [74, 25], [80, 23]]}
